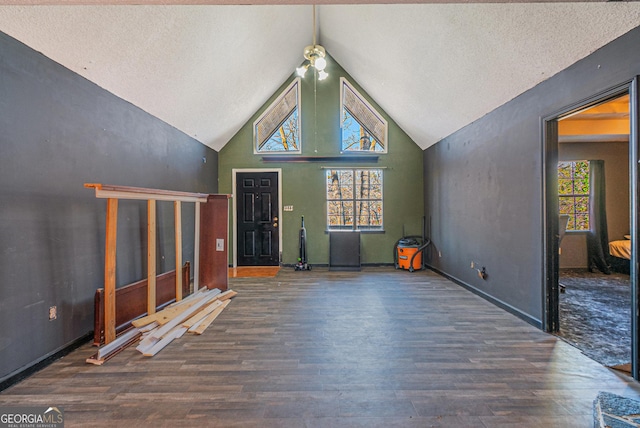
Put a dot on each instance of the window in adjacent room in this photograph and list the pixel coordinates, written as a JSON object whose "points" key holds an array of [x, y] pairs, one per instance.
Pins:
{"points": [[573, 191], [363, 128], [354, 199], [277, 130]]}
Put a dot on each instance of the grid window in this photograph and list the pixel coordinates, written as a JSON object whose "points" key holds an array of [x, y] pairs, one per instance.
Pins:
{"points": [[573, 193], [354, 199]]}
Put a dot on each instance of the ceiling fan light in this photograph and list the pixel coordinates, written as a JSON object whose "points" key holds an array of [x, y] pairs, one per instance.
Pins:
{"points": [[320, 63], [322, 74], [301, 71]]}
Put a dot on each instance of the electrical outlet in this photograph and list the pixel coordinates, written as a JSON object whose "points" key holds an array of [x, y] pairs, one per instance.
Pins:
{"points": [[472, 265], [439, 253], [53, 313]]}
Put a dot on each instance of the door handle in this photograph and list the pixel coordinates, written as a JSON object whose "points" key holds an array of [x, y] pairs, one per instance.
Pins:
{"points": [[275, 224]]}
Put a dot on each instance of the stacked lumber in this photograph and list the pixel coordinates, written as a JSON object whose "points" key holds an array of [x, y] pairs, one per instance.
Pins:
{"points": [[154, 332]]}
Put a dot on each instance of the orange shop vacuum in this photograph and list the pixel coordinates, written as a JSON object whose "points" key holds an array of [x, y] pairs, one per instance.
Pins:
{"points": [[408, 252]]}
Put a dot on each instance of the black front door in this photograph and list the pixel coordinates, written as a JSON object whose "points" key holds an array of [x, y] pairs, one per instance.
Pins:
{"points": [[257, 209]]}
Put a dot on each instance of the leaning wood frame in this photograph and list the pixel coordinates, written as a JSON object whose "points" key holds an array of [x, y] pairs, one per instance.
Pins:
{"points": [[211, 238]]}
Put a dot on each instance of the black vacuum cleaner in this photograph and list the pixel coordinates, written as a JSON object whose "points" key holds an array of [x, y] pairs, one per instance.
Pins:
{"points": [[302, 259]]}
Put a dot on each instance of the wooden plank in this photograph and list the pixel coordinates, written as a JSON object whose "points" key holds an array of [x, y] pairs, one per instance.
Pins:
{"points": [[173, 334], [143, 193], [202, 314], [147, 343], [110, 271], [181, 307], [184, 315], [145, 320], [197, 295], [214, 228], [118, 342], [196, 250], [131, 303], [210, 318], [177, 209], [102, 356], [168, 314], [98, 317], [186, 280], [149, 327], [151, 257], [229, 294]]}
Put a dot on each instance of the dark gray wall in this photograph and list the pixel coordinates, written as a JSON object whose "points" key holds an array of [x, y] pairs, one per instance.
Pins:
{"points": [[58, 132], [483, 184], [616, 167]]}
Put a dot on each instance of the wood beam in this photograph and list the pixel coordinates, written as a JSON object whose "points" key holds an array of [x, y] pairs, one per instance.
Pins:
{"points": [[177, 209], [143, 193], [196, 250], [151, 257], [110, 271]]}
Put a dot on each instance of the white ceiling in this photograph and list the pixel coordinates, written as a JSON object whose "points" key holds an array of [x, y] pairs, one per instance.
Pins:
{"points": [[207, 69]]}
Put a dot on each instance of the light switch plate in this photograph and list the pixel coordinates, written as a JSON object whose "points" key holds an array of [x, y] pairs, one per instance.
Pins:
{"points": [[219, 244]]}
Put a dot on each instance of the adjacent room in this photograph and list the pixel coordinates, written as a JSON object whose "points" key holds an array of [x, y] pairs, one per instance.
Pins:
{"points": [[383, 214], [593, 187]]}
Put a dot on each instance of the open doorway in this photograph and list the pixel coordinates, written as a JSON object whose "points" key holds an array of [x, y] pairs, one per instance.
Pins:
{"points": [[595, 245], [550, 136]]}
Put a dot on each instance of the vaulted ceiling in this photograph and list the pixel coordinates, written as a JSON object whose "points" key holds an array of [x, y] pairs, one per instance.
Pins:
{"points": [[205, 69]]}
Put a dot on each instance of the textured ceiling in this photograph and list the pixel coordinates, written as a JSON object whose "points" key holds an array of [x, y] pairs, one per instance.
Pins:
{"points": [[206, 69]]}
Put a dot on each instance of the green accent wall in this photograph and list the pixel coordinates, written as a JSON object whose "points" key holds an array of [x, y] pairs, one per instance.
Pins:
{"points": [[303, 183]]}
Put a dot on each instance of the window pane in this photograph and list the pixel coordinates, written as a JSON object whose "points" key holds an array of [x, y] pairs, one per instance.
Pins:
{"points": [[355, 137], [363, 128], [573, 193], [285, 138], [339, 184], [581, 186], [582, 222], [354, 198], [582, 205], [564, 170], [566, 205], [370, 213], [277, 130], [565, 186], [581, 169], [340, 213], [369, 184]]}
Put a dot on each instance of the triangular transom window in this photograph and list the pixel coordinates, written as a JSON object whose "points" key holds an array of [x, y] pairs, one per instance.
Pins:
{"points": [[277, 130], [363, 128]]}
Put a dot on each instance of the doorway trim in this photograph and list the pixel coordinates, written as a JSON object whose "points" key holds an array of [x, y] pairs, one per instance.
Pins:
{"points": [[551, 258], [234, 208]]}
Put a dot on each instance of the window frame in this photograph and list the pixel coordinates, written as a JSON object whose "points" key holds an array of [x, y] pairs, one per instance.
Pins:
{"points": [[573, 196], [385, 147], [355, 226], [256, 150]]}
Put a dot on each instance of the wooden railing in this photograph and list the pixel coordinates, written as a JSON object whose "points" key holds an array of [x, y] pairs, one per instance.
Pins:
{"points": [[210, 242]]}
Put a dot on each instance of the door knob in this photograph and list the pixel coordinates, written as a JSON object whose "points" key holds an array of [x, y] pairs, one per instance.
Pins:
{"points": [[275, 224]]}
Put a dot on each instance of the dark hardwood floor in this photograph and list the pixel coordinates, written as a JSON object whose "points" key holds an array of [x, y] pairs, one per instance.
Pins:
{"points": [[377, 348]]}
